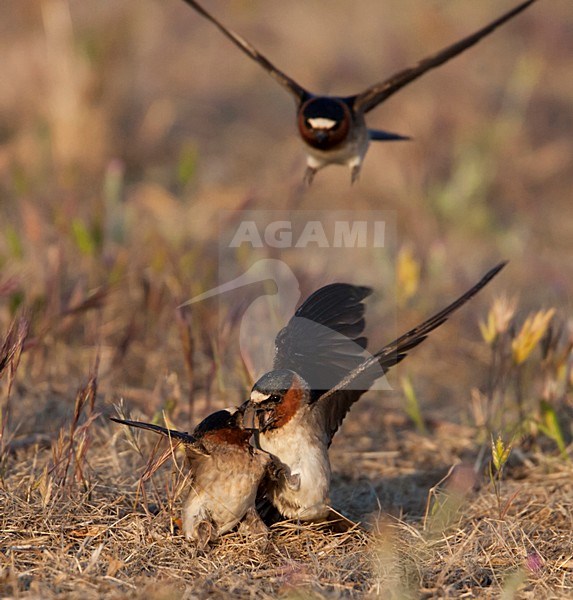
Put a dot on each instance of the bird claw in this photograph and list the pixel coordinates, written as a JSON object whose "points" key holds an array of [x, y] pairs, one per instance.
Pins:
{"points": [[204, 534], [280, 471], [309, 175], [355, 174], [293, 482], [252, 524]]}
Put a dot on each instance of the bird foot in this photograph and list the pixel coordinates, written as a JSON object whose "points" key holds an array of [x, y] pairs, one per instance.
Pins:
{"points": [[203, 534], [252, 524], [309, 175], [355, 174], [253, 527], [281, 472]]}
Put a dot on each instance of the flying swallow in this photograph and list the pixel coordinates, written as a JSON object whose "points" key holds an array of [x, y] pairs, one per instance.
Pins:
{"points": [[333, 128], [297, 420], [226, 473]]}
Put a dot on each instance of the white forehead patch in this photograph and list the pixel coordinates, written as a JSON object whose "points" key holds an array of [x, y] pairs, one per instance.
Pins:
{"points": [[257, 396], [321, 123]]}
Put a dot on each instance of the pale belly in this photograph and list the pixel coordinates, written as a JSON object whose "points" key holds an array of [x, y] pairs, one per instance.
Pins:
{"points": [[351, 153], [306, 457]]}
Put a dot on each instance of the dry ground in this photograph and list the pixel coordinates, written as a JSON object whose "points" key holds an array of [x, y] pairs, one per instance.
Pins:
{"points": [[125, 127]]}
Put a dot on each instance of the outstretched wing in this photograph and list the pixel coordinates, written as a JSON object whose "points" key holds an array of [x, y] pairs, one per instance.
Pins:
{"points": [[374, 95], [190, 442], [289, 84], [322, 342], [332, 407]]}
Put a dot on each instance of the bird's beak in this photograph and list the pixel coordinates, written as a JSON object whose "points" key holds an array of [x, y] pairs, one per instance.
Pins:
{"points": [[250, 418], [254, 440]]}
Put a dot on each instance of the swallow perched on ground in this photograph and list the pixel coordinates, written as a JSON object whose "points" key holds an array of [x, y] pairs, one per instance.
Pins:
{"points": [[296, 414], [333, 128], [226, 474]]}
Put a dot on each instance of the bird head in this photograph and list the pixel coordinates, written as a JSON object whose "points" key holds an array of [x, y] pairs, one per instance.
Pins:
{"points": [[275, 399], [324, 122]]}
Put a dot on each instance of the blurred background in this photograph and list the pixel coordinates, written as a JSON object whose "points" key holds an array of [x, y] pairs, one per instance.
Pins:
{"points": [[126, 127]]}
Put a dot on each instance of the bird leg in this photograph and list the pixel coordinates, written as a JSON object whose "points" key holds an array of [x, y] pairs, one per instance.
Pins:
{"points": [[309, 175], [355, 173], [276, 469], [203, 534], [281, 472], [252, 524]]}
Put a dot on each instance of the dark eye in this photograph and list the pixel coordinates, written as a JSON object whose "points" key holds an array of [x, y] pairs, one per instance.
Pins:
{"points": [[275, 398]]}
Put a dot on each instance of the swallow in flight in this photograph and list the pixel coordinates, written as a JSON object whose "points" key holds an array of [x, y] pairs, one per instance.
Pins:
{"points": [[333, 128], [319, 372]]}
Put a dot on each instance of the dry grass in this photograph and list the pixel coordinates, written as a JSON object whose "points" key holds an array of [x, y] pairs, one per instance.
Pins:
{"points": [[118, 149], [98, 538]]}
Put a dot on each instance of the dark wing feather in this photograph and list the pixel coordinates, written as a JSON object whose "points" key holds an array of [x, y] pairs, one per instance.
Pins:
{"points": [[190, 442], [322, 342], [332, 407], [374, 95], [220, 419], [289, 84]]}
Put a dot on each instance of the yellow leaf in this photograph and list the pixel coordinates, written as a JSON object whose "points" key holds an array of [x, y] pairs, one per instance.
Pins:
{"points": [[487, 328], [499, 453], [408, 274], [498, 319], [530, 334]]}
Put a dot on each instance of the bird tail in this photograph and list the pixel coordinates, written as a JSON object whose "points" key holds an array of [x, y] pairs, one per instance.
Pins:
{"points": [[378, 135], [172, 433]]}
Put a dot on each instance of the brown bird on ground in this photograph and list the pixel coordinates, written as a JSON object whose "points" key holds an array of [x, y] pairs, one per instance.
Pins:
{"points": [[226, 474]]}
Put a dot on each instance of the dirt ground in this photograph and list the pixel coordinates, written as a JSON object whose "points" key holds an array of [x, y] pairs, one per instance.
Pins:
{"points": [[126, 130]]}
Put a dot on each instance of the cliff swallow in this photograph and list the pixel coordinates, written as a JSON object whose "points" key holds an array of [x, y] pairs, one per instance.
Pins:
{"points": [[226, 473], [296, 420], [333, 128]]}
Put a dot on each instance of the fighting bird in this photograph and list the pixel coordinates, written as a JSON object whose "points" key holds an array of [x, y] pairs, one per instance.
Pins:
{"points": [[319, 372], [226, 473], [333, 128]]}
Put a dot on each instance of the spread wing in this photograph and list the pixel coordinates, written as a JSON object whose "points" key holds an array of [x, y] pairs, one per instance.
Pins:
{"points": [[191, 443], [322, 342], [289, 84], [374, 95], [331, 408]]}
